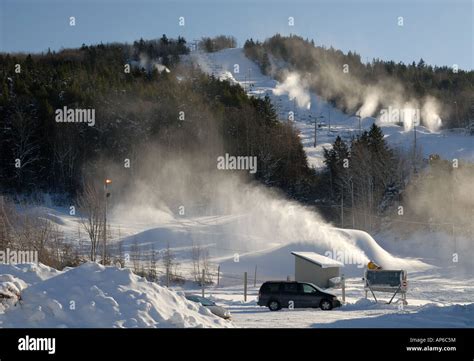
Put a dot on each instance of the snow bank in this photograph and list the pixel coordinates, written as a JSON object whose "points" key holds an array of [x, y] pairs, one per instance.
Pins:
{"points": [[96, 296], [429, 316], [29, 273]]}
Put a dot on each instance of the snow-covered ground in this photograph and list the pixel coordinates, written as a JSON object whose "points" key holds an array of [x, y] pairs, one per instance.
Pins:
{"points": [[437, 296], [434, 310], [92, 295], [449, 144]]}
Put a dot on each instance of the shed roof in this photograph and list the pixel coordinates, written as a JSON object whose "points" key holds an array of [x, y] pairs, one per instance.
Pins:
{"points": [[320, 260]]}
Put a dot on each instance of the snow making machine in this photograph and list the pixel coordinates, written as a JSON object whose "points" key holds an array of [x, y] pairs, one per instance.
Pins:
{"points": [[377, 279]]}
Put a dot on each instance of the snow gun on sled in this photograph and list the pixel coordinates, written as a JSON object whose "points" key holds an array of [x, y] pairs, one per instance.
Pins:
{"points": [[377, 279]]}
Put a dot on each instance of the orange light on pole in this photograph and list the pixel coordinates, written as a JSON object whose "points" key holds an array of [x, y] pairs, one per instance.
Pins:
{"points": [[107, 195]]}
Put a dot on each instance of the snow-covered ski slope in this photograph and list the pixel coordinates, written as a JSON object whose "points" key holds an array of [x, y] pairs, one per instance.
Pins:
{"points": [[222, 64]]}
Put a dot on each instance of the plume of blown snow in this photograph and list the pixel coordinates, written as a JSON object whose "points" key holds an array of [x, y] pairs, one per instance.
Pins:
{"points": [[430, 114], [256, 217], [370, 104], [297, 88], [350, 91], [149, 64]]}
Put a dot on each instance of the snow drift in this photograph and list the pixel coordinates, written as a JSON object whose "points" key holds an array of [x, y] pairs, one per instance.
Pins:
{"points": [[92, 295], [428, 316]]}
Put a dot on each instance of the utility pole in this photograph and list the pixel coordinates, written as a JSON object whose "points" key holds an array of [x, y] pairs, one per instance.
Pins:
{"points": [[294, 108], [107, 195], [342, 208], [250, 77], [360, 127], [352, 196], [316, 126], [329, 118], [414, 147], [315, 130]]}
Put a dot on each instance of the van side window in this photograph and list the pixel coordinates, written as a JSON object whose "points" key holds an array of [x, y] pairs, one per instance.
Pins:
{"points": [[305, 288], [290, 287], [271, 288]]}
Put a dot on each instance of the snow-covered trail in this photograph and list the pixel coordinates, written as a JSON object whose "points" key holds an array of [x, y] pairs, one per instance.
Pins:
{"points": [[449, 144]]}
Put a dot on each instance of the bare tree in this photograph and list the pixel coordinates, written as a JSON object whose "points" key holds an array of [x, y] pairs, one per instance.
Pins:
{"points": [[169, 263], [6, 228], [200, 257], [206, 266], [152, 273], [135, 256], [65, 155], [91, 206], [26, 231], [25, 149], [196, 257]]}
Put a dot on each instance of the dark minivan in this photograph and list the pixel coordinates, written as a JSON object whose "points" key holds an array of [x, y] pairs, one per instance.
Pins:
{"points": [[287, 294]]}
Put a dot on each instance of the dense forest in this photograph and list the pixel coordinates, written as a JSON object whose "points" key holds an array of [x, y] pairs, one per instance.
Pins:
{"points": [[137, 101], [217, 43], [454, 88]]}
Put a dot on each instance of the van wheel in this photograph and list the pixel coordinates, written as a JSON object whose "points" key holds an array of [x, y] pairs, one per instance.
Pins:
{"points": [[274, 305], [326, 305]]}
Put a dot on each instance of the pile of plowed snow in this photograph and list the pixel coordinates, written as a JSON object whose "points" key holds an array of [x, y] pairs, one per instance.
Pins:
{"points": [[96, 296]]}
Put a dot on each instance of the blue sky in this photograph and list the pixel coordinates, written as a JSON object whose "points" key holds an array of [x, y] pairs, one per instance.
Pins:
{"points": [[439, 31]]}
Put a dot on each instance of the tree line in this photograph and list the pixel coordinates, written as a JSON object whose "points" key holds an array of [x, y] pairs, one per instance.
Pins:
{"points": [[132, 108]]}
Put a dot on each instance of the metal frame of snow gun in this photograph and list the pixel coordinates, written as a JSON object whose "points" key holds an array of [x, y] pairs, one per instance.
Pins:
{"points": [[386, 281]]}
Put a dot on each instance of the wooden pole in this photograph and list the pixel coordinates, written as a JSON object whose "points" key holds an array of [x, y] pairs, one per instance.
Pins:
{"points": [[245, 287], [202, 282], [255, 277], [343, 280]]}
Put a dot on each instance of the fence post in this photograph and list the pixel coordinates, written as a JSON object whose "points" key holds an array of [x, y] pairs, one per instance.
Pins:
{"points": [[343, 281], [202, 282], [255, 277], [245, 287]]}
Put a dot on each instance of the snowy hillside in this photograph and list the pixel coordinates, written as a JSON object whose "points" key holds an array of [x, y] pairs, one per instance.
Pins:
{"points": [[246, 228], [448, 144]]}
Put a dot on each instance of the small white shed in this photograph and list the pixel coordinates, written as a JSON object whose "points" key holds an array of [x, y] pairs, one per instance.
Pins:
{"points": [[315, 268]]}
